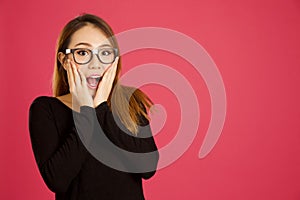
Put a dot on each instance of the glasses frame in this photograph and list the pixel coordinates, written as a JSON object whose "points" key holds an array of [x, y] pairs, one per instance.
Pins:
{"points": [[93, 52]]}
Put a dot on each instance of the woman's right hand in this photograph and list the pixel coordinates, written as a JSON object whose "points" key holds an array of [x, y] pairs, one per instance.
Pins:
{"points": [[78, 87]]}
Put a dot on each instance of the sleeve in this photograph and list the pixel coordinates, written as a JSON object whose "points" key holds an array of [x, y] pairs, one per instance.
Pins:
{"points": [[58, 161], [128, 142]]}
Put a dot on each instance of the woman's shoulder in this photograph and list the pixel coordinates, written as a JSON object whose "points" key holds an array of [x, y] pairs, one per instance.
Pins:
{"points": [[51, 103], [43, 100], [43, 103]]}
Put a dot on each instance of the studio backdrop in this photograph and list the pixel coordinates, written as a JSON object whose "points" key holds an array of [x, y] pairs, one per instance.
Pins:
{"points": [[224, 77]]}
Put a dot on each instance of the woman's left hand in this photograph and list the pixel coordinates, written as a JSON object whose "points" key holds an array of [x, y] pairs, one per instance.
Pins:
{"points": [[106, 84]]}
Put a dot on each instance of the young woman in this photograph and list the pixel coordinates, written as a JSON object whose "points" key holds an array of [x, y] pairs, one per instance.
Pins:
{"points": [[85, 84]]}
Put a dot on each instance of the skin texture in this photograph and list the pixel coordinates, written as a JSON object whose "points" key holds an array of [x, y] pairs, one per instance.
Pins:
{"points": [[80, 94]]}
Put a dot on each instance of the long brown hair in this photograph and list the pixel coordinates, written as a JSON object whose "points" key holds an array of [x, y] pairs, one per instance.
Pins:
{"points": [[128, 103]]}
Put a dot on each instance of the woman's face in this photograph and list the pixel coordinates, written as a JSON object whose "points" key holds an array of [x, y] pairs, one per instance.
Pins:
{"points": [[90, 37]]}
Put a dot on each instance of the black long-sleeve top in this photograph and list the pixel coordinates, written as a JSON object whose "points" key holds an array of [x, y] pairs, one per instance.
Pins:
{"points": [[67, 166]]}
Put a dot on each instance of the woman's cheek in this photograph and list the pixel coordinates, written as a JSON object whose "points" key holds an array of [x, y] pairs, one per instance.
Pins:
{"points": [[77, 66]]}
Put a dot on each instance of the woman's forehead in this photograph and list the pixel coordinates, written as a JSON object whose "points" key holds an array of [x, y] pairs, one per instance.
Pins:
{"points": [[89, 35]]}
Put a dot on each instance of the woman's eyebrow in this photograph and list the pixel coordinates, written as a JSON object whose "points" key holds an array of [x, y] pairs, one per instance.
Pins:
{"points": [[83, 43], [105, 45]]}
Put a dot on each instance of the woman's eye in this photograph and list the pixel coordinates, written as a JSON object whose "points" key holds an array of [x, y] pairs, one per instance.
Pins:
{"points": [[106, 52], [82, 52]]}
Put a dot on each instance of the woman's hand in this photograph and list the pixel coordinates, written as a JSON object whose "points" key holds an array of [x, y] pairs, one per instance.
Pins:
{"points": [[106, 83], [78, 87]]}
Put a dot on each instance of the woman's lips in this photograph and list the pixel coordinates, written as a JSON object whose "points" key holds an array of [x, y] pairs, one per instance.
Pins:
{"points": [[93, 80]]}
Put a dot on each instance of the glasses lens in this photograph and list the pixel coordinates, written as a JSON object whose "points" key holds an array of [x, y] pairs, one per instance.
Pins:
{"points": [[82, 56], [107, 55]]}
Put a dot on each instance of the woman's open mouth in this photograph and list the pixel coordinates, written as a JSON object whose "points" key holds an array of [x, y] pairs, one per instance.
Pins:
{"points": [[93, 81]]}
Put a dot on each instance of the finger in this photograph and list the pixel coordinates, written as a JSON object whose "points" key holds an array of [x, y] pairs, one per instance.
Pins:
{"points": [[70, 76], [82, 77], [70, 70], [68, 73], [77, 79], [107, 69], [107, 76], [112, 71], [115, 66], [112, 68]]}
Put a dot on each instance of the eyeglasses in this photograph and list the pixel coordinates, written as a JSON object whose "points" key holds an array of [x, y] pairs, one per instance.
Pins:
{"points": [[105, 55]]}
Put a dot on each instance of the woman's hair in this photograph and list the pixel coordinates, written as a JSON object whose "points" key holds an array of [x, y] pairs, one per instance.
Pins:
{"points": [[129, 104]]}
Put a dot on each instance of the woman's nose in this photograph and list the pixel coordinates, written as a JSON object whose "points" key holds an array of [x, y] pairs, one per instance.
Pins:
{"points": [[95, 63]]}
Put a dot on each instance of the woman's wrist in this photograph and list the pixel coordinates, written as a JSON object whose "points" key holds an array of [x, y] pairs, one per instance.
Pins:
{"points": [[98, 102], [87, 104]]}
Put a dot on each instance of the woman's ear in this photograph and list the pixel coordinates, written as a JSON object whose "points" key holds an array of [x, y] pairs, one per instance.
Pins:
{"points": [[62, 59]]}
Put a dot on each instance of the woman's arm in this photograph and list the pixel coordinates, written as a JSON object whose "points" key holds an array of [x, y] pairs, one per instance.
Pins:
{"points": [[128, 142], [58, 161]]}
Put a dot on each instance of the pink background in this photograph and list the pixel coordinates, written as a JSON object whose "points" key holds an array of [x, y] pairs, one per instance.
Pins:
{"points": [[255, 45]]}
